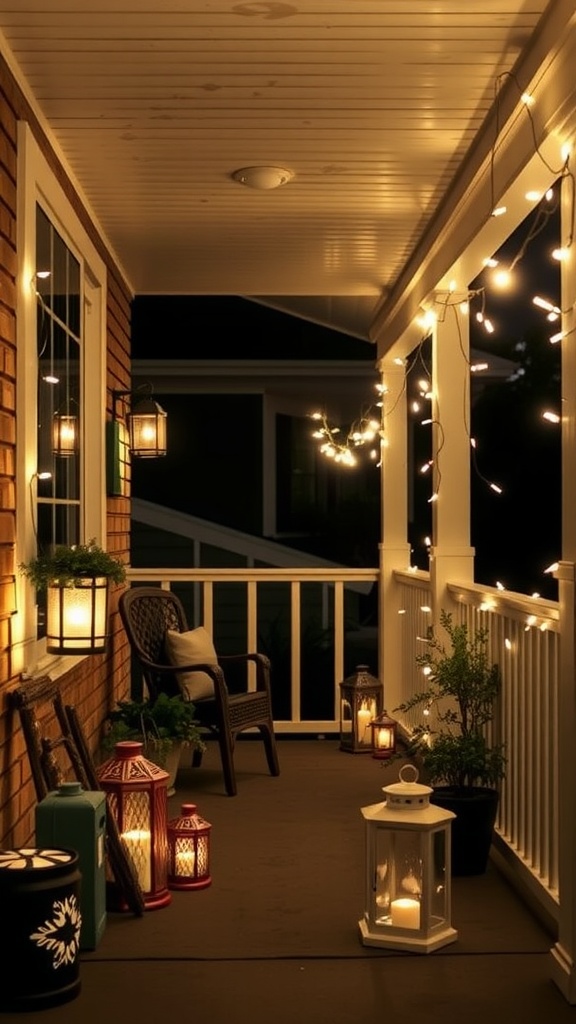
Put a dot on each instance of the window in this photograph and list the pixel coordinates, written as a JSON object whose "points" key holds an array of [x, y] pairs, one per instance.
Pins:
{"points": [[58, 342], [61, 346]]}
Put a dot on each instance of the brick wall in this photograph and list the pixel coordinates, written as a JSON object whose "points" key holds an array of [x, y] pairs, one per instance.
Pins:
{"points": [[96, 683]]}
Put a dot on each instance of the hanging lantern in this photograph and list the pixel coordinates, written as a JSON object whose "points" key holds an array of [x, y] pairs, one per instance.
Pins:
{"points": [[361, 696], [77, 616], [383, 736], [136, 793], [64, 434], [189, 850], [408, 877]]}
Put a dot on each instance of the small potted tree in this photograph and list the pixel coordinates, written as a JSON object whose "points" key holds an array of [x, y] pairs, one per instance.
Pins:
{"points": [[461, 764], [164, 725], [76, 579]]}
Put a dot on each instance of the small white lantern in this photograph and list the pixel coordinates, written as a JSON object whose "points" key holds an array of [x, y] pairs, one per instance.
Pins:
{"points": [[408, 897]]}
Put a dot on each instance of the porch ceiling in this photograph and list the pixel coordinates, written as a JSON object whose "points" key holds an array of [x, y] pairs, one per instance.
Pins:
{"points": [[375, 107]]}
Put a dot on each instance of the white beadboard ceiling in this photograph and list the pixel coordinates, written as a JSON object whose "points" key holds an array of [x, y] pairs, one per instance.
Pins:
{"points": [[372, 105]]}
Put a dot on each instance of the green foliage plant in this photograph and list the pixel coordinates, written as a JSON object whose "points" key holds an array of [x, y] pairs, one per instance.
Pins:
{"points": [[463, 687], [66, 563], [160, 723]]}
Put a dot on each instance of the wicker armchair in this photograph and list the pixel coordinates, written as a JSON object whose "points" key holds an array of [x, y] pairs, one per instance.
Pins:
{"points": [[147, 613]]}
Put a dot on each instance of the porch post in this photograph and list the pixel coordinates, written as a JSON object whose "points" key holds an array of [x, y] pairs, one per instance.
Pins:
{"points": [[394, 547], [451, 557], [564, 951]]}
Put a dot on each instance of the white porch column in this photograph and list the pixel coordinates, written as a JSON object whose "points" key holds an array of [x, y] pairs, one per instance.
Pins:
{"points": [[564, 951], [394, 548], [451, 557]]}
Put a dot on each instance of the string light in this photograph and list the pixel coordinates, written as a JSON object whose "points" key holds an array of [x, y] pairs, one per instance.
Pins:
{"points": [[362, 432], [342, 446]]}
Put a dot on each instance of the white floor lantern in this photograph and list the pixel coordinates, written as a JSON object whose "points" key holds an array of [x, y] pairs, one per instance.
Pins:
{"points": [[408, 895]]}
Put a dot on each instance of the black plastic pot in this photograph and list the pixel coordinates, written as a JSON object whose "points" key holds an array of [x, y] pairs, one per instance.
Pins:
{"points": [[472, 828]]}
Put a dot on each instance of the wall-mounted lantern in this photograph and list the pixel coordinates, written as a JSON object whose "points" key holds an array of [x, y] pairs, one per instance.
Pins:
{"points": [[64, 434], [137, 430]]}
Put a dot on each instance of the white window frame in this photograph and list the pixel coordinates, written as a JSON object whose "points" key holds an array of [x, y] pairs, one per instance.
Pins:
{"points": [[36, 183]]}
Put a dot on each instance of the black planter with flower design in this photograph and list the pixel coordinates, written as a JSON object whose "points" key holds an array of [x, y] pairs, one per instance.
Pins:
{"points": [[40, 933]]}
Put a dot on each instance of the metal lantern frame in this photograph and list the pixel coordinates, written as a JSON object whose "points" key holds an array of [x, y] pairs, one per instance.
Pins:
{"points": [[146, 422], [408, 871], [64, 434], [384, 731], [137, 797], [189, 850], [361, 700]]}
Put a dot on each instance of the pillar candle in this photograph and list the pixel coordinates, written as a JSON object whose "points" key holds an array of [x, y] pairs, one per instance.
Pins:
{"points": [[405, 913], [138, 843]]}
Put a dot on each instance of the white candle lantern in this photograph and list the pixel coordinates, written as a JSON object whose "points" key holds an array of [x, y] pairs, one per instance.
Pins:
{"points": [[189, 850], [137, 797], [361, 697], [77, 616], [408, 896]]}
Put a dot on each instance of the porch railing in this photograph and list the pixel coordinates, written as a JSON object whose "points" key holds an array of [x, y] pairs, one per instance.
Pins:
{"points": [[524, 640], [273, 612]]}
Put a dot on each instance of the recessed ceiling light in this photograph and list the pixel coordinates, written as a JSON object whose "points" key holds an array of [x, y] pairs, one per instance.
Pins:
{"points": [[263, 177]]}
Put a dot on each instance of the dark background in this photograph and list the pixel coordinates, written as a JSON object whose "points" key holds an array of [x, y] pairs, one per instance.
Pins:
{"points": [[516, 534]]}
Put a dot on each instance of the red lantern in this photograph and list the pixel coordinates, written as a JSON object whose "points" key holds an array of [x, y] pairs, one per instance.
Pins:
{"points": [[383, 736], [137, 797], [189, 850]]}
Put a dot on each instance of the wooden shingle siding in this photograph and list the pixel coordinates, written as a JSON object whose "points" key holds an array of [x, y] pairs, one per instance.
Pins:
{"points": [[94, 685]]}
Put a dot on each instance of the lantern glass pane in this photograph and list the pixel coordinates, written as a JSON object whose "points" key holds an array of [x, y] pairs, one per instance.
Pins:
{"points": [[202, 856], [439, 893], [365, 711], [137, 837], [184, 856], [398, 878], [345, 716]]}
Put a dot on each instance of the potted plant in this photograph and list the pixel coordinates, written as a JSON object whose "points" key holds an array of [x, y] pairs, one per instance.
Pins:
{"points": [[164, 725], [463, 767], [76, 579]]}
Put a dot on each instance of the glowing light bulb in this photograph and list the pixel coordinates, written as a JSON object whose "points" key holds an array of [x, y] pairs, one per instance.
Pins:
{"points": [[502, 279]]}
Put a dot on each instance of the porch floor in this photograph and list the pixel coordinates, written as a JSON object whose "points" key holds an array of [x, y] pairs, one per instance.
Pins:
{"points": [[275, 936]]}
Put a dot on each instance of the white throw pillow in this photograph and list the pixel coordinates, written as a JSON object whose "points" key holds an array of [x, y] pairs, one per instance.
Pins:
{"points": [[192, 648]]}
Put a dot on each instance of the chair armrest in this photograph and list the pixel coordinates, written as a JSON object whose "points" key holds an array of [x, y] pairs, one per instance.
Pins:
{"points": [[261, 661]]}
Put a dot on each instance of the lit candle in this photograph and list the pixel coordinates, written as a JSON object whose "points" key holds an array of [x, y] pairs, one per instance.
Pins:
{"points": [[383, 738], [138, 845], [363, 719], [185, 862], [405, 913]]}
